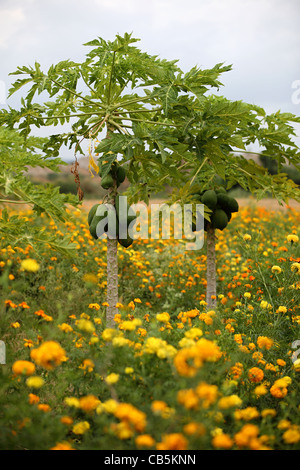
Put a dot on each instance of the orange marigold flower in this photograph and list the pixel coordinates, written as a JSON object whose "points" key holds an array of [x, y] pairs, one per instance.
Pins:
{"points": [[62, 446], [222, 441], [144, 440], [174, 441], [255, 374], [264, 342], [49, 355], [23, 367]]}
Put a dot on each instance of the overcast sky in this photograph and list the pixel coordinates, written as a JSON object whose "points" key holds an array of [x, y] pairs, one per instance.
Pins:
{"points": [[260, 38]]}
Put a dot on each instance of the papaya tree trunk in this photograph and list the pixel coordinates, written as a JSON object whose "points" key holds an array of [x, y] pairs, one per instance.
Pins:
{"points": [[112, 281], [112, 291], [211, 287]]}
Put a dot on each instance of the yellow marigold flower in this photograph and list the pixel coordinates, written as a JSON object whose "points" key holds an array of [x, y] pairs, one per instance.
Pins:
{"points": [[30, 265], [193, 333], [85, 325], [128, 370], [229, 402], [94, 306], [127, 325], [163, 317], [297, 365], [247, 237], [175, 441], [276, 269], [292, 238], [35, 382], [87, 365], [281, 309], [222, 441], [255, 374], [247, 295], [81, 427], [109, 406], [119, 341], [15, 325], [65, 327], [144, 440], [72, 402], [109, 333], [247, 414], [49, 355], [292, 435], [90, 278], [260, 390], [296, 267], [23, 368], [268, 412], [112, 378], [264, 304]]}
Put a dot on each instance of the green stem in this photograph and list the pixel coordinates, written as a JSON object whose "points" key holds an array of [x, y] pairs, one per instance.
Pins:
{"points": [[12, 202], [110, 78], [67, 116], [76, 94], [137, 111], [147, 122], [199, 169]]}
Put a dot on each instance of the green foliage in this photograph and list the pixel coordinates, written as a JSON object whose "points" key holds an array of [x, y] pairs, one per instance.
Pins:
{"points": [[165, 123], [16, 156]]}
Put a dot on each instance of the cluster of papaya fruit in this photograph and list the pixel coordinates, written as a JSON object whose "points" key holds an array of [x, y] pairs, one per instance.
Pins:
{"points": [[222, 206], [117, 173], [117, 222]]}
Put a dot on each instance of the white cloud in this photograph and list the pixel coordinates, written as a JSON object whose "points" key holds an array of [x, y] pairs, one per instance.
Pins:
{"points": [[11, 20]]}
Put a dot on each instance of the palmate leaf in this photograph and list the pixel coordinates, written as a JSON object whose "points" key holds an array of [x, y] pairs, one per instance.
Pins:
{"points": [[16, 231], [43, 198]]}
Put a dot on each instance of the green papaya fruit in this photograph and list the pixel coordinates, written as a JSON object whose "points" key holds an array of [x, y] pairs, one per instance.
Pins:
{"points": [[219, 219], [227, 203], [121, 175], [209, 199], [221, 190], [91, 213], [93, 226], [107, 182], [125, 242]]}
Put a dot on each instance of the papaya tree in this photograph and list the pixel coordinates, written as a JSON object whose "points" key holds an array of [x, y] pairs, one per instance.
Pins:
{"points": [[117, 99], [162, 126], [218, 134]]}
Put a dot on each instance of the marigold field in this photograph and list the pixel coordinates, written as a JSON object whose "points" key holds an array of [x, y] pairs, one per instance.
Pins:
{"points": [[173, 374]]}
